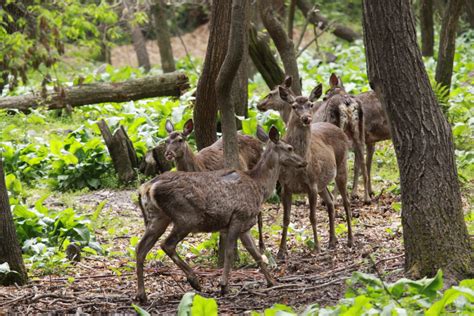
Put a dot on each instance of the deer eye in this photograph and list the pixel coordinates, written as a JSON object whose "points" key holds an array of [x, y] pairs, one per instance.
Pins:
{"points": [[290, 148], [180, 140], [294, 107]]}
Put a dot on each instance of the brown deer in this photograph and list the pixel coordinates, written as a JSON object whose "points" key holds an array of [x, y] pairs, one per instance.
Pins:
{"points": [[212, 157], [225, 200], [346, 112], [324, 146], [376, 125]]}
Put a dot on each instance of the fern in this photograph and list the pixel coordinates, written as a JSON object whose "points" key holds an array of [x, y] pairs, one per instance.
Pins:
{"points": [[442, 95]]}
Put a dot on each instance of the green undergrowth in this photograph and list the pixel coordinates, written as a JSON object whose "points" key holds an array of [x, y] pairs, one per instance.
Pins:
{"points": [[366, 294]]}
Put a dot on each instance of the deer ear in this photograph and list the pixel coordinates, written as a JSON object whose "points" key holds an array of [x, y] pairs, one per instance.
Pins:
{"points": [[316, 93], [333, 80], [169, 126], [288, 81], [261, 134], [188, 127], [285, 94], [274, 134]]}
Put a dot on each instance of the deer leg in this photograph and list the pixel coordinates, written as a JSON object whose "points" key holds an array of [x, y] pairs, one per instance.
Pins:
{"points": [[286, 201], [331, 214], [232, 235], [249, 244], [360, 164], [341, 181], [370, 155], [261, 244], [169, 247], [155, 228], [313, 200]]}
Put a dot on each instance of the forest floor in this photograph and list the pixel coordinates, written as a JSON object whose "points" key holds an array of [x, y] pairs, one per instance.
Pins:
{"points": [[108, 283]]}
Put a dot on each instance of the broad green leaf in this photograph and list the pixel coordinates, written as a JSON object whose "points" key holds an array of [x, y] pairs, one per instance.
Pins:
{"points": [[140, 311], [185, 305], [203, 306]]}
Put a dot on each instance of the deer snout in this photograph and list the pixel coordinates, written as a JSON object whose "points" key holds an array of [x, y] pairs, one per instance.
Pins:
{"points": [[307, 119], [169, 155], [262, 105]]}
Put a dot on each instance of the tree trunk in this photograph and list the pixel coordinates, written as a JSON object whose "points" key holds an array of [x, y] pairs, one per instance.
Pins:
{"points": [[447, 42], [105, 54], [121, 151], [427, 28], [434, 232], [284, 45], [264, 60], [291, 18], [163, 35], [172, 84], [10, 250], [205, 109], [138, 40], [239, 92], [317, 19], [227, 74]]}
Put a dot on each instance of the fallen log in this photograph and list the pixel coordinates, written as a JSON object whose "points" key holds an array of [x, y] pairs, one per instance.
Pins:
{"points": [[170, 84], [322, 22]]}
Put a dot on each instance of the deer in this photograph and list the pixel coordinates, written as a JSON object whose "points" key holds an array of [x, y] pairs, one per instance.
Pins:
{"points": [[212, 157], [376, 124], [324, 146], [216, 201], [346, 112]]}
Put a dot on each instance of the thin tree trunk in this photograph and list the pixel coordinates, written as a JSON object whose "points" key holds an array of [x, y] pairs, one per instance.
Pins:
{"points": [[138, 40], [338, 30], [163, 35], [447, 42], [239, 92], [227, 75], [171, 84], [291, 18], [284, 45], [205, 109], [434, 231], [10, 250], [427, 28], [264, 60]]}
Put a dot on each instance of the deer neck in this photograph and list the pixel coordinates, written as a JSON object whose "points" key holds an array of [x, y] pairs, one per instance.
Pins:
{"points": [[266, 172], [188, 162], [285, 114], [299, 136]]}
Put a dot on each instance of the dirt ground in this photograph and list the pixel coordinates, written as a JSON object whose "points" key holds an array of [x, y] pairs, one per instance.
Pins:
{"points": [[101, 284]]}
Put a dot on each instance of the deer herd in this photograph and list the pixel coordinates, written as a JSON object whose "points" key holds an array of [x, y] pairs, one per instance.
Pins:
{"points": [[202, 196]]}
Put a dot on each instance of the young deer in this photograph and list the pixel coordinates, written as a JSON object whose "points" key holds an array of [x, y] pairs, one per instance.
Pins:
{"points": [[324, 146], [346, 112], [212, 157], [376, 124], [225, 200]]}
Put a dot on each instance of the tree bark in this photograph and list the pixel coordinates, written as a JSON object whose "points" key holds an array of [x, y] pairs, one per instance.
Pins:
{"points": [[434, 231], [10, 250], [447, 42], [284, 45], [172, 84], [427, 27], [239, 92], [317, 19], [163, 35], [138, 40], [264, 60], [291, 18], [121, 151], [226, 77], [205, 109]]}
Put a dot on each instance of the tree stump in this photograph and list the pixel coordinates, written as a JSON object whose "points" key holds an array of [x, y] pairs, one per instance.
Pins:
{"points": [[121, 151]]}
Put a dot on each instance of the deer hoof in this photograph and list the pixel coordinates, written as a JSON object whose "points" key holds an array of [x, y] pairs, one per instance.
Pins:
{"points": [[141, 297], [271, 282], [367, 201], [282, 254], [194, 282], [332, 243], [224, 289], [350, 243]]}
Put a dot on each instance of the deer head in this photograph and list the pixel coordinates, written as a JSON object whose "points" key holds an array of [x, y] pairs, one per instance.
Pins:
{"points": [[336, 87], [301, 107], [176, 141], [273, 101], [286, 155]]}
